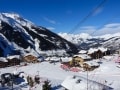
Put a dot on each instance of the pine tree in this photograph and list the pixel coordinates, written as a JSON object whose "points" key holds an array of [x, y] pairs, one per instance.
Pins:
{"points": [[47, 85], [31, 83], [37, 79]]}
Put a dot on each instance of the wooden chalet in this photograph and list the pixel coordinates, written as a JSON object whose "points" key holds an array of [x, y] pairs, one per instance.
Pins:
{"points": [[78, 60], [97, 53], [30, 58], [3, 62], [90, 65], [13, 60]]}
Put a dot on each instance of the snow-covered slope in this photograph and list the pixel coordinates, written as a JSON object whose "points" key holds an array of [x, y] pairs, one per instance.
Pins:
{"points": [[85, 40], [20, 35]]}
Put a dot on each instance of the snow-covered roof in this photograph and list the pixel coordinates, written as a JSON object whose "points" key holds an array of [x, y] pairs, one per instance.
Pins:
{"points": [[80, 83], [53, 58], [83, 56], [82, 51], [102, 49], [32, 54], [13, 56], [2, 59], [92, 50], [92, 63]]}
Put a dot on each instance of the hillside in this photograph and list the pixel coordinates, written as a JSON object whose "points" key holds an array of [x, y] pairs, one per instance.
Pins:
{"points": [[18, 35]]}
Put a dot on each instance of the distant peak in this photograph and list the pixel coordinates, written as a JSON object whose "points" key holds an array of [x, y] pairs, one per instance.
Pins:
{"points": [[11, 15], [14, 17]]}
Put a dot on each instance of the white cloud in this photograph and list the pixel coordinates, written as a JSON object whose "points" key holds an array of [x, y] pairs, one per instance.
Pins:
{"points": [[51, 28], [111, 28], [86, 29], [112, 25], [89, 31], [50, 20]]}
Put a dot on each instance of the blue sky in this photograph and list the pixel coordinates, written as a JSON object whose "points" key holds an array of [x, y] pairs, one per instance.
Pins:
{"points": [[64, 15]]}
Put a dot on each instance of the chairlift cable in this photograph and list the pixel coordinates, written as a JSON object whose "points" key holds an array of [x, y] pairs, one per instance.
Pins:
{"points": [[87, 16], [107, 22]]}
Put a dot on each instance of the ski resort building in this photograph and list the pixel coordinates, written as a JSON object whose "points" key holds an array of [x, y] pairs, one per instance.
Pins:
{"points": [[90, 65], [79, 59], [30, 58], [3, 62], [13, 60], [97, 53]]}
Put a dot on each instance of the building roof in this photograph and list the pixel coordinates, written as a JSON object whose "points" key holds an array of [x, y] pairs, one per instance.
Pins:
{"points": [[82, 51], [27, 54], [92, 50], [83, 56], [2, 59], [80, 83], [92, 63], [53, 58], [13, 56], [102, 49]]}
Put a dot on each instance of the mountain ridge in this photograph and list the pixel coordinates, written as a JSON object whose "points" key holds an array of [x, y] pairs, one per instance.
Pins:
{"points": [[20, 34], [86, 41]]}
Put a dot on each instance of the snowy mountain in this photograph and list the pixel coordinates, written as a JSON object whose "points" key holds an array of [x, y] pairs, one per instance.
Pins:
{"points": [[18, 35], [85, 41]]}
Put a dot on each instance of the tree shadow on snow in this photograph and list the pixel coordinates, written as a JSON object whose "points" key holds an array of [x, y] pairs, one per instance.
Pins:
{"points": [[56, 87], [18, 81], [4, 88], [24, 85]]}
